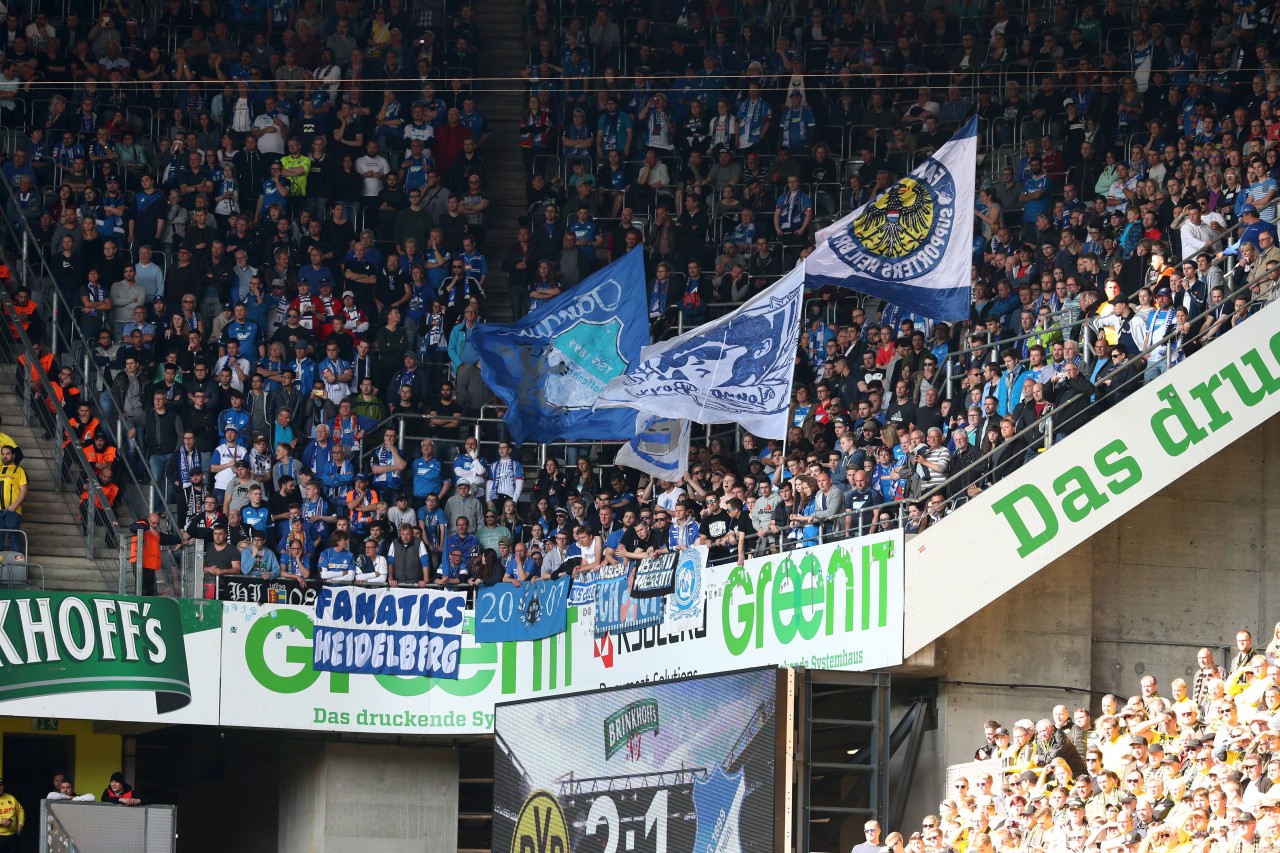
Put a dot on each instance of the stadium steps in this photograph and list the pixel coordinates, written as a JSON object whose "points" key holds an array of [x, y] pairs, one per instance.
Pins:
{"points": [[54, 539], [959, 566], [502, 28]]}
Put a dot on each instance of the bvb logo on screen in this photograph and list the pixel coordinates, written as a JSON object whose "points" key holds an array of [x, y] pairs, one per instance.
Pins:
{"points": [[541, 827]]}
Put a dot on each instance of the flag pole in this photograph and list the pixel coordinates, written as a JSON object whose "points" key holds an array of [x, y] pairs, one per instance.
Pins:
{"points": [[795, 348]]}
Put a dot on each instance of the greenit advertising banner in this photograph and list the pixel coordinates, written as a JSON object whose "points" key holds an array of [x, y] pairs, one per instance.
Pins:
{"points": [[836, 606], [107, 657], [678, 767]]}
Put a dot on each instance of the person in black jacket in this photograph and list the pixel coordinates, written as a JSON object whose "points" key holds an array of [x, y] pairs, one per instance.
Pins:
{"points": [[1071, 394], [1118, 379], [161, 435], [1008, 454], [1051, 744], [548, 235]]}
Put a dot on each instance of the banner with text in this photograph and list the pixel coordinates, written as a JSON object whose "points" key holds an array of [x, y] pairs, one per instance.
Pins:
{"points": [[389, 631], [1102, 470], [616, 609], [532, 611], [253, 590], [835, 606], [108, 657], [656, 576]]}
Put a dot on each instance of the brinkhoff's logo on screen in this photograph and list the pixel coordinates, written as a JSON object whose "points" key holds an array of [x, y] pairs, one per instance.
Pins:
{"points": [[744, 365], [903, 234]]}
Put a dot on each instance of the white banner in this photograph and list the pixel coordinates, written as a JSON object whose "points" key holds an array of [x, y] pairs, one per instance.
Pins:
{"points": [[660, 447], [836, 606]]}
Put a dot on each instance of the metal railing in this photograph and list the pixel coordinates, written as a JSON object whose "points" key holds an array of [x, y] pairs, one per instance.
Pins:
{"points": [[52, 417], [69, 343], [67, 827]]}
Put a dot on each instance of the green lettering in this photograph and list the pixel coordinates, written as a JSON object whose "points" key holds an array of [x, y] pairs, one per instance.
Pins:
{"points": [[784, 602], [737, 642], [766, 574], [809, 617], [883, 554], [1203, 394], [1121, 464], [255, 658], [1007, 507], [841, 561], [1081, 500], [1177, 411], [1267, 384]]}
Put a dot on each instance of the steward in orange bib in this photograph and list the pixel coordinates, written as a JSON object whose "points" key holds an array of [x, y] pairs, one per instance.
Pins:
{"points": [[153, 539], [362, 502]]}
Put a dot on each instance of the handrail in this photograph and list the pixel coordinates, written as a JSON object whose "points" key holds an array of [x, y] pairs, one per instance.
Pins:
{"points": [[63, 427], [143, 486]]}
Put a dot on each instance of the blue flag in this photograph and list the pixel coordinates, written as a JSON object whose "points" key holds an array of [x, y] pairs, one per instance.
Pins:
{"points": [[531, 611], [912, 244], [550, 366]]}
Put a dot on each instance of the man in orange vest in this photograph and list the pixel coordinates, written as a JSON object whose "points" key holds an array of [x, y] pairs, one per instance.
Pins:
{"points": [[111, 492], [362, 502], [153, 539]]}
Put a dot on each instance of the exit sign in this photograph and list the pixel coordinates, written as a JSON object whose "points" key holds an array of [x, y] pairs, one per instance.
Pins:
{"points": [[44, 724]]}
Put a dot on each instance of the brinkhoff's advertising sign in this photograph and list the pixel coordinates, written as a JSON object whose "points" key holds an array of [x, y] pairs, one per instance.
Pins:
{"points": [[109, 657], [836, 606]]}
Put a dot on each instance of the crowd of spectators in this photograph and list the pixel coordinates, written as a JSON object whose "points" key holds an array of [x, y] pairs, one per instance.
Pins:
{"points": [[270, 223], [1191, 767]]}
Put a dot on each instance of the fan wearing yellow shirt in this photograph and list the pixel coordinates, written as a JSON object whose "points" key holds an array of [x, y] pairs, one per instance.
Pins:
{"points": [[13, 491], [12, 818], [295, 167]]}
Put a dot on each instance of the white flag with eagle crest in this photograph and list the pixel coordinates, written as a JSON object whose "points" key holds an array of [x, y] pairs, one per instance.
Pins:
{"points": [[912, 245]]}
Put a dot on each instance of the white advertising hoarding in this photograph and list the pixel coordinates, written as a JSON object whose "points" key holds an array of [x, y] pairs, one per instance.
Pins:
{"points": [[836, 606]]}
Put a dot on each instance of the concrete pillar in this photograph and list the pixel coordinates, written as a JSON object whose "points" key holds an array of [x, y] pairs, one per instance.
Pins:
{"points": [[370, 797], [1036, 637]]}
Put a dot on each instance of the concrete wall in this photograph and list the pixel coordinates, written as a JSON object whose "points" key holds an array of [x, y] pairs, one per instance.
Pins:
{"points": [[1185, 569], [375, 798]]}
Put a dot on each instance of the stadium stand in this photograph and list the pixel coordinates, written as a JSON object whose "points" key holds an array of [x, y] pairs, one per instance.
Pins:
{"points": [[251, 240]]}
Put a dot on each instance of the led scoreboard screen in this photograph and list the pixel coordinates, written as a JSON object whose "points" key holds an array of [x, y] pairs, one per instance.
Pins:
{"points": [[671, 767]]}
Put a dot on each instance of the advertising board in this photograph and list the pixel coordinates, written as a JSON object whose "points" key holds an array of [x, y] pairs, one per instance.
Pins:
{"points": [[109, 657], [658, 768]]}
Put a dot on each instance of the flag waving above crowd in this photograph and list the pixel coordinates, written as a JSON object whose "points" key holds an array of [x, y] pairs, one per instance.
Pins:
{"points": [[550, 366], [735, 369], [912, 244]]}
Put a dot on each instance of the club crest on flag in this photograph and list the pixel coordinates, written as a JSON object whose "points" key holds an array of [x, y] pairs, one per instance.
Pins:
{"points": [[579, 362], [912, 245], [904, 232], [742, 369]]}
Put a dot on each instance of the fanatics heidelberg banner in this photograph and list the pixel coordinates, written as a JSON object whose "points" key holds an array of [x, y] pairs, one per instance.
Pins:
{"points": [[550, 366], [912, 244], [734, 369], [388, 631], [532, 611]]}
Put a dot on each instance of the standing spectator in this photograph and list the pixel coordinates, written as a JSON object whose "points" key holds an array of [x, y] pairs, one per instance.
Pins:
{"points": [[13, 491], [161, 436]]}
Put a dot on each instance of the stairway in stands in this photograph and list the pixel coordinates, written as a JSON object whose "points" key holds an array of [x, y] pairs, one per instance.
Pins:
{"points": [[49, 516], [502, 101], [1107, 468]]}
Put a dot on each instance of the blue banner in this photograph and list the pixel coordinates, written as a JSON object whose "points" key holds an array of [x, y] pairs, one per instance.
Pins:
{"points": [[388, 631], [550, 366], [583, 591], [531, 611], [616, 610]]}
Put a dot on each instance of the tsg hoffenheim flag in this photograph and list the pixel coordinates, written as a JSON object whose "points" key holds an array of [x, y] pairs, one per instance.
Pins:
{"points": [[660, 447], [913, 243], [550, 366], [736, 369]]}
